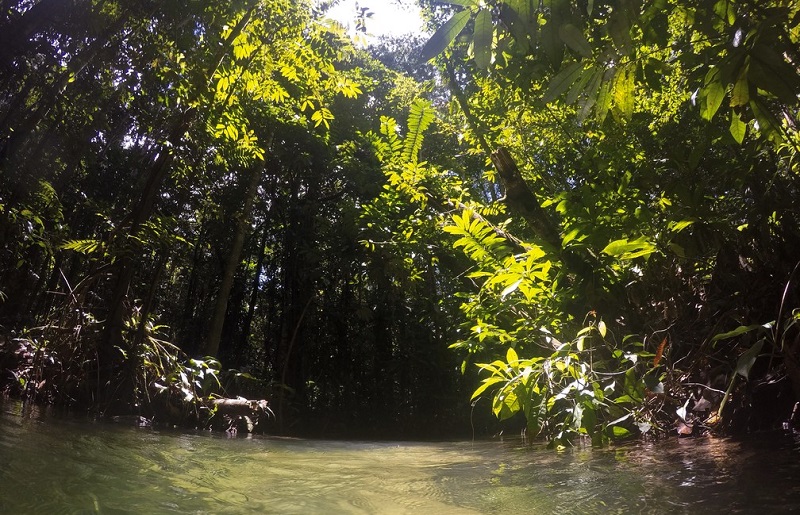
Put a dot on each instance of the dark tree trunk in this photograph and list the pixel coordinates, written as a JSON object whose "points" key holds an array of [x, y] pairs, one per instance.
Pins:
{"points": [[212, 343]]}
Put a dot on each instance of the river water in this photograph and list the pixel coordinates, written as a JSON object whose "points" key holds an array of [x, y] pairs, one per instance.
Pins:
{"points": [[52, 465]]}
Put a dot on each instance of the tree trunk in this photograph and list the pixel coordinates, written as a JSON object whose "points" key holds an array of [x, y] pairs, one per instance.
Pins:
{"points": [[244, 337], [108, 355], [212, 343]]}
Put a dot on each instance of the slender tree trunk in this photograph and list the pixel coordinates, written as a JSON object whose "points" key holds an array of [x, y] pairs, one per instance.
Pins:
{"points": [[212, 343], [251, 307], [144, 209]]}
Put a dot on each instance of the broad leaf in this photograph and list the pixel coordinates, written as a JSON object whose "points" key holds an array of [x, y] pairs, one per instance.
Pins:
{"points": [[603, 101], [742, 329], [575, 40], [442, 38], [746, 360], [562, 81], [551, 42], [713, 92], [482, 39], [488, 382], [590, 99], [738, 128], [462, 3], [580, 85], [741, 90], [516, 25], [623, 93], [511, 355], [629, 249]]}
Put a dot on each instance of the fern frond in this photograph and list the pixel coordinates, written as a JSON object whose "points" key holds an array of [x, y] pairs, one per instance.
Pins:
{"points": [[478, 237], [419, 119], [86, 247]]}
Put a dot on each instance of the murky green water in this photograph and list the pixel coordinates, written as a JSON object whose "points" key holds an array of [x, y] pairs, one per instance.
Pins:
{"points": [[50, 465]]}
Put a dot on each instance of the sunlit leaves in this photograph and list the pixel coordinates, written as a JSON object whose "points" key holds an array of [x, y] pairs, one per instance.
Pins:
{"points": [[738, 128], [420, 117], [712, 95], [562, 393], [624, 91], [348, 88], [476, 237], [629, 249], [322, 116], [83, 246]]}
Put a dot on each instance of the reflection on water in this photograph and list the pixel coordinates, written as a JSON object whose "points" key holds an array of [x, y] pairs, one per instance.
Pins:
{"points": [[65, 466]]}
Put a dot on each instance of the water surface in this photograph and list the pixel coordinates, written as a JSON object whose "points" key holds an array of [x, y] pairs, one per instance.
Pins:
{"points": [[54, 465]]}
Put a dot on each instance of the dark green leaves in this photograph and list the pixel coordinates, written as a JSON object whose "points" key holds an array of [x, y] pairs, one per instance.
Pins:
{"points": [[482, 36], [748, 359], [562, 81], [517, 24], [575, 40]]}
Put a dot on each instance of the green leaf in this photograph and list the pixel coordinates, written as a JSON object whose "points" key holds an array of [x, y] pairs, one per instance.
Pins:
{"points": [[725, 10], [551, 42], [592, 90], [619, 28], [516, 25], [624, 99], [679, 226], [511, 288], [488, 382], [482, 39], [738, 127], [770, 72], [714, 93], [629, 249], [580, 85], [442, 38], [506, 404], [521, 7], [562, 81], [603, 101], [575, 40], [619, 432], [742, 329], [83, 246], [741, 90], [511, 355], [462, 3], [420, 117], [574, 233], [767, 124], [746, 360]]}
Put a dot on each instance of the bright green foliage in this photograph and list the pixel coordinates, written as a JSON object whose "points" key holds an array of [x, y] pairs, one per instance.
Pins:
{"points": [[586, 387], [608, 53], [477, 238], [651, 143]]}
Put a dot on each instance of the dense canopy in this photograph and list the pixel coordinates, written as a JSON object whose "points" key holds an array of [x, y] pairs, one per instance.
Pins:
{"points": [[593, 201]]}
